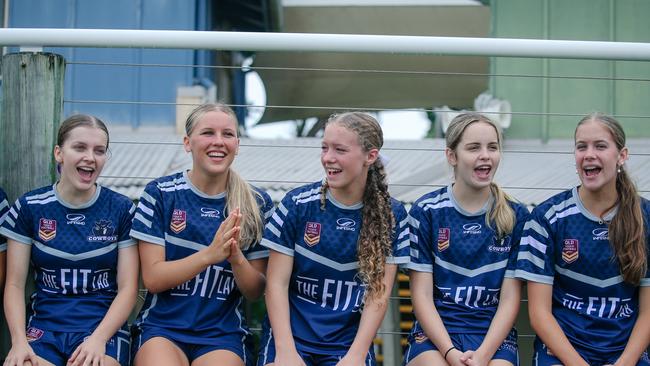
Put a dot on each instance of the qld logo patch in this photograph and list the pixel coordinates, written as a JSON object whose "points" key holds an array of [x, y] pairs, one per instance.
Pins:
{"points": [[33, 334], [179, 221], [570, 250], [444, 236], [46, 229], [312, 233], [420, 337]]}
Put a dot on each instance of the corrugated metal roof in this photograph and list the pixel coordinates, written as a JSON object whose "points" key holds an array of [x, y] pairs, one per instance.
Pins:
{"points": [[530, 171]]}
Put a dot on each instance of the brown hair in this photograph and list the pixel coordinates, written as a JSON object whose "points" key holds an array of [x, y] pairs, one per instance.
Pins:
{"points": [[627, 229], [239, 192], [79, 120], [376, 236], [499, 213]]}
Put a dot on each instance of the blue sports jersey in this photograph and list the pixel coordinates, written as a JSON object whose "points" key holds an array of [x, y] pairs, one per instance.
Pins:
{"points": [[74, 252], [173, 213], [325, 294], [566, 246], [467, 259], [4, 208]]}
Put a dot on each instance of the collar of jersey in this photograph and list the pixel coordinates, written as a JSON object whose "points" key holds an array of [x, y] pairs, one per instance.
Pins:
{"points": [[338, 204], [199, 192], [461, 210], [583, 210], [90, 202]]}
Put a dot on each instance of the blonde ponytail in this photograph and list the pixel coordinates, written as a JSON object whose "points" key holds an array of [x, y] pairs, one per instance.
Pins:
{"points": [[500, 213], [240, 194]]}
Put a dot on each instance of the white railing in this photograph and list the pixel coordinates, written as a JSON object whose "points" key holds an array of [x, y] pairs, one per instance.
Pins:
{"points": [[252, 41]]}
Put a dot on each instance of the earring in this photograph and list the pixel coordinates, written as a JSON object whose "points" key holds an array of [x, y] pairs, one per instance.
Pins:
{"points": [[618, 170]]}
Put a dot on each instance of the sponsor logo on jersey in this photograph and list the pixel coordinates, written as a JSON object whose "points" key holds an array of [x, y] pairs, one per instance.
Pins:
{"points": [[570, 250], [472, 228], [103, 231], [209, 212], [312, 233], [444, 237], [76, 219], [420, 337], [500, 245], [33, 334], [179, 221], [345, 224], [601, 233], [46, 229]]}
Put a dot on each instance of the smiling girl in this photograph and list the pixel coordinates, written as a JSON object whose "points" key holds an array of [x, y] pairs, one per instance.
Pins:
{"points": [[335, 246], [76, 235], [465, 237], [585, 255], [198, 232]]}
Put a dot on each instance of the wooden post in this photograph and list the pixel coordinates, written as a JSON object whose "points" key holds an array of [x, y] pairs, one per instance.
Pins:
{"points": [[32, 90], [32, 101]]}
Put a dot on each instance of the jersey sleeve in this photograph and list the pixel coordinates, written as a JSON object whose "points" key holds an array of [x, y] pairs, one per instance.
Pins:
{"points": [[257, 251], [535, 257], [421, 226], [280, 233], [4, 208], [401, 232], [148, 220], [17, 223], [124, 238], [521, 217]]}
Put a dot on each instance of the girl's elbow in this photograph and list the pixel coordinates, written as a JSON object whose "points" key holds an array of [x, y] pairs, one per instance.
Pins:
{"points": [[537, 319], [151, 285]]}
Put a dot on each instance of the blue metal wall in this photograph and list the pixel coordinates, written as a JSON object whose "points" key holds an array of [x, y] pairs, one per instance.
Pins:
{"points": [[119, 83]]}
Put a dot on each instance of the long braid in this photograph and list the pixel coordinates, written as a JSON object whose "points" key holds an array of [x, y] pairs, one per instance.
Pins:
{"points": [[377, 230], [323, 192]]}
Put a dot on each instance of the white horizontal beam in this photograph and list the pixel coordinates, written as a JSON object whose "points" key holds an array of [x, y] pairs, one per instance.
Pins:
{"points": [[315, 42]]}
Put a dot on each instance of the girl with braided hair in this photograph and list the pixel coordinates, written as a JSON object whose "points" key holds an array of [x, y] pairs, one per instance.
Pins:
{"points": [[464, 252], [335, 246]]}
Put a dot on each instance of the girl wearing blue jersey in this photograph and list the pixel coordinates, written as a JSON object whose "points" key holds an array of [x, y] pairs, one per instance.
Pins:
{"points": [[464, 237], [198, 232], [335, 249], [76, 235], [585, 255]]}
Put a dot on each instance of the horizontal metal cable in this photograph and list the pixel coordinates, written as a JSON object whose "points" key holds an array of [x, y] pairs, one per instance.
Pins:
{"points": [[339, 108], [361, 71], [424, 149], [390, 184]]}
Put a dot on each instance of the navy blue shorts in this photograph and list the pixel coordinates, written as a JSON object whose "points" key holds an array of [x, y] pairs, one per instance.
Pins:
{"points": [[542, 356], [267, 354], [419, 343], [193, 351], [57, 347]]}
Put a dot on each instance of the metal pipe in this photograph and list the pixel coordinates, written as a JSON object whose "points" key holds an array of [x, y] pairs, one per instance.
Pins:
{"points": [[257, 41]]}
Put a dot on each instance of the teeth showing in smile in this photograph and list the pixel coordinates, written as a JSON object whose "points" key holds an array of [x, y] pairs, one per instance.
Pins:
{"points": [[216, 155], [592, 170], [85, 171], [333, 171]]}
